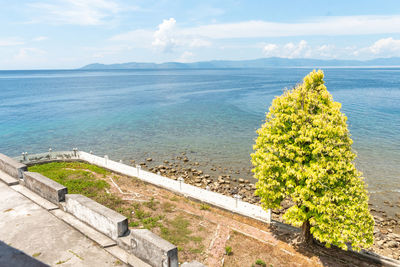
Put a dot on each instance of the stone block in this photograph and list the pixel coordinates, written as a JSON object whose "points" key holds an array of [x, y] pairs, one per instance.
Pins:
{"points": [[103, 219], [193, 264], [45, 187], [150, 248], [12, 167]]}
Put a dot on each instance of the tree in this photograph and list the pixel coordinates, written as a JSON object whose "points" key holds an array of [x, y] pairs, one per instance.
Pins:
{"points": [[303, 153]]}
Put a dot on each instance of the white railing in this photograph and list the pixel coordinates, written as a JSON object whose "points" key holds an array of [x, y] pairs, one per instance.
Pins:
{"points": [[213, 198]]}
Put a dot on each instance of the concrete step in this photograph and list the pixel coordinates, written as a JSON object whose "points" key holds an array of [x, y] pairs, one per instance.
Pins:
{"points": [[126, 257], [7, 179], [101, 239], [44, 203]]}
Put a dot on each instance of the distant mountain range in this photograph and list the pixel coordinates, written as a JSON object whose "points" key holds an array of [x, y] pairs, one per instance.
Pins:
{"points": [[254, 63]]}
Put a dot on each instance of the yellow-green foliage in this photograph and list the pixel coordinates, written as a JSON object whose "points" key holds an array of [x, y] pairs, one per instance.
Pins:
{"points": [[303, 153]]}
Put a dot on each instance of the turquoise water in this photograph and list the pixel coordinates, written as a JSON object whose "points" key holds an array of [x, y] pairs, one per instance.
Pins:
{"points": [[211, 115]]}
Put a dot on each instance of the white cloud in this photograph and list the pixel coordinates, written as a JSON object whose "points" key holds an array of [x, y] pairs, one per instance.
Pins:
{"points": [[135, 36], [25, 54], [289, 50], [78, 12], [302, 50], [270, 49], [199, 43], [386, 47], [40, 38], [102, 52], [164, 37], [11, 42], [332, 26], [169, 36], [185, 57]]}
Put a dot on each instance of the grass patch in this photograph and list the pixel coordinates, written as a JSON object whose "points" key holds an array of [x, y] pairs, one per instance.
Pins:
{"points": [[204, 207], [134, 224], [178, 233], [151, 204], [78, 177], [168, 207], [260, 262]]}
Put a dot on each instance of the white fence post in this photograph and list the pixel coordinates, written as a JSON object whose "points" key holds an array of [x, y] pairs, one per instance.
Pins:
{"points": [[237, 198], [180, 180], [138, 167]]}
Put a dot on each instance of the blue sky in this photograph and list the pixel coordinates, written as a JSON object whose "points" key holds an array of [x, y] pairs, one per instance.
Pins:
{"points": [[38, 34]]}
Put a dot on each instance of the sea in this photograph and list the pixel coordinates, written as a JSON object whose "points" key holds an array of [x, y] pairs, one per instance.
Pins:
{"points": [[210, 115]]}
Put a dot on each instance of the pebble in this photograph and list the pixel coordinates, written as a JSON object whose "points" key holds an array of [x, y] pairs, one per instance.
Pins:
{"points": [[392, 244], [149, 159]]}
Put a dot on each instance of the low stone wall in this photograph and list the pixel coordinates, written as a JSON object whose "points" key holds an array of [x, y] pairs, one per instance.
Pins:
{"points": [[45, 187], [150, 248], [228, 203], [12, 167], [50, 156], [105, 220]]}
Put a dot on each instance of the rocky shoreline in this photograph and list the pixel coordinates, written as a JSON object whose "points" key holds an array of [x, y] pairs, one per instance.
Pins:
{"points": [[231, 182]]}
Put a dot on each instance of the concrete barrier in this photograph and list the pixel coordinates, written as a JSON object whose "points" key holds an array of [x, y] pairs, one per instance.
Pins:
{"points": [[45, 187], [150, 248], [12, 167], [105, 220]]}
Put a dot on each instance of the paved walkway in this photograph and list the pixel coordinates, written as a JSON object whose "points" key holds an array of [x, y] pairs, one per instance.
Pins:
{"points": [[31, 236]]}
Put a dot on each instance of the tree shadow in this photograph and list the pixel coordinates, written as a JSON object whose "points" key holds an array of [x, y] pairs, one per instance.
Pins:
{"points": [[330, 257], [10, 256]]}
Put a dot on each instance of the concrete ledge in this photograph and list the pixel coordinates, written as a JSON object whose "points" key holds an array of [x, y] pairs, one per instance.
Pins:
{"points": [[44, 203], [45, 187], [12, 167], [7, 179], [126, 257], [101, 239], [150, 248], [193, 264], [103, 219]]}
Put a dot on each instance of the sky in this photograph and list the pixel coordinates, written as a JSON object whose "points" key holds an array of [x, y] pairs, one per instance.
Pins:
{"points": [[63, 34]]}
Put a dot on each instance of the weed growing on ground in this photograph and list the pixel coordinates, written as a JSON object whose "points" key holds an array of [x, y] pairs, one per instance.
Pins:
{"points": [[174, 198], [204, 207], [261, 263], [168, 207], [228, 250], [151, 204]]}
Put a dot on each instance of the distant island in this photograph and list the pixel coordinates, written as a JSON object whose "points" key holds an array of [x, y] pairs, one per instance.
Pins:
{"points": [[254, 63]]}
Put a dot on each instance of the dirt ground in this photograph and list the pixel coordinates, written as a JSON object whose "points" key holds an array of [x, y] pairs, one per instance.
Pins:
{"points": [[204, 233]]}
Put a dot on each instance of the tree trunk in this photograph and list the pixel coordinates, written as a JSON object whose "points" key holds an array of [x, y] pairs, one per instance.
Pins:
{"points": [[306, 235]]}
